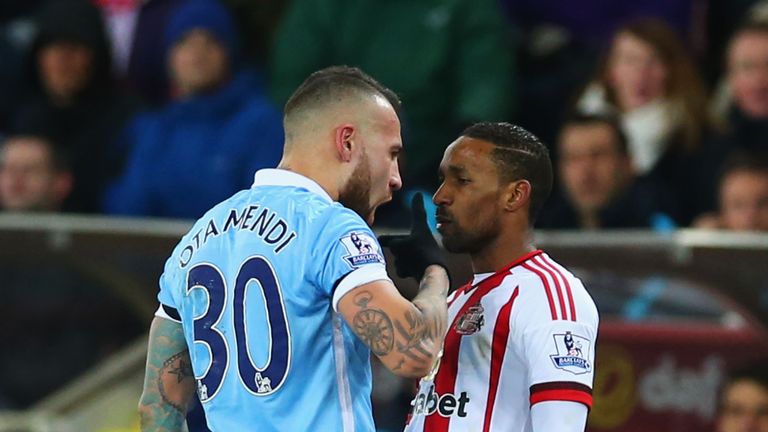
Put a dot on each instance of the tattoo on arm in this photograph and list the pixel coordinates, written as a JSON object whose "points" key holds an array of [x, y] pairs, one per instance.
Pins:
{"points": [[415, 336], [174, 371], [169, 382], [373, 325]]}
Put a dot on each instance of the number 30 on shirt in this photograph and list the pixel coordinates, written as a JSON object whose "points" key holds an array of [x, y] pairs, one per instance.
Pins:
{"points": [[259, 381]]}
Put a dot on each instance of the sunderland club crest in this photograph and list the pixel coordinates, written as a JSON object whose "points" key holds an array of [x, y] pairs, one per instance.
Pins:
{"points": [[472, 320]]}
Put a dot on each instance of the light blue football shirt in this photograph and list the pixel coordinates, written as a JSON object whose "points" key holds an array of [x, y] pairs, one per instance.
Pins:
{"points": [[255, 283]]}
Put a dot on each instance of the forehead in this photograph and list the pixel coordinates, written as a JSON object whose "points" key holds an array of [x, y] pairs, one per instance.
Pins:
{"points": [[385, 113], [383, 118], [749, 42], [627, 43], [590, 135], [745, 180], [198, 34], [468, 153], [24, 148], [746, 389]]}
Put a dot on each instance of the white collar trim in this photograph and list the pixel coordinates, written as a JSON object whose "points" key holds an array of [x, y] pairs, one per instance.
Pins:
{"points": [[281, 177]]}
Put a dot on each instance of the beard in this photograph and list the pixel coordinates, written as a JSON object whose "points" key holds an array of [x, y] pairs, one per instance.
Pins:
{"points": [[457, 239], [356, 194]]}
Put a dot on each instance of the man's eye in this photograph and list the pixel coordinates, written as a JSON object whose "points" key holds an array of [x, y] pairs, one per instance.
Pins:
{"points": [[463, 180]]}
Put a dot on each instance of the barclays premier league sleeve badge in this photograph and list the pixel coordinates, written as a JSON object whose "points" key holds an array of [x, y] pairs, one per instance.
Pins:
{"points": [[362, 248], [572, 351]]}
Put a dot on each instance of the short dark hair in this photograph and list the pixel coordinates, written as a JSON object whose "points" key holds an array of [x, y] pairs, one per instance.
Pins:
{"points": [[754, 372], [330, 83], [518, 155], [59, 158], [612, 121], [755, 162]]}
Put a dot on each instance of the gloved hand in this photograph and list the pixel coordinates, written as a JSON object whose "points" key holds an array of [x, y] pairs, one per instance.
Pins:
{"points": [[418, 250]]}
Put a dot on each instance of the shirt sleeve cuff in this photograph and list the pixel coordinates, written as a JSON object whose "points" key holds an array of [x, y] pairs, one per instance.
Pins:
{"points": [[561, 391], [168, 313], [354, 279]]}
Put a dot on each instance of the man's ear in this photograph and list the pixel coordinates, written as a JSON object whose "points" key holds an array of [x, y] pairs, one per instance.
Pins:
{"points": [[344, 140], [517, 195]]}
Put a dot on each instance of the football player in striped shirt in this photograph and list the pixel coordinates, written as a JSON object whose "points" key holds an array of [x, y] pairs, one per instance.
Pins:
{"points": [[519, 351]]}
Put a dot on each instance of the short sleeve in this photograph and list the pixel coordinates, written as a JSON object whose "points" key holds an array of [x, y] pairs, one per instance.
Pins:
{"points": [[171, 283], [348, 255], [559, 355]]}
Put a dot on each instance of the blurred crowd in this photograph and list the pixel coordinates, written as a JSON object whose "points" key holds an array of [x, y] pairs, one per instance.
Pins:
{"points": [[656, 113]]}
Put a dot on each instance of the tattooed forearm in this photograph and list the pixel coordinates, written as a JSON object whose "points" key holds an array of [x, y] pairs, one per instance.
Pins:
{"points": [[431, 303], [169, 381], [373, 325], [414, 334], [399, 364], [407, 337]]}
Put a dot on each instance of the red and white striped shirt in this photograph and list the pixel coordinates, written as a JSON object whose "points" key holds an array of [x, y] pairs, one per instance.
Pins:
{"points": [[517, 337]]}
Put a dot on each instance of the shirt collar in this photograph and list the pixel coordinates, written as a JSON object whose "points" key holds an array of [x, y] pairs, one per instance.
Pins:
{"points": [[281, 177], [479, 277]]}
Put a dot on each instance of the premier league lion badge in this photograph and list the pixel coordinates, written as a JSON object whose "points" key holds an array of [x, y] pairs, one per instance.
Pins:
{"points": [[362, 248], [572, 351]]}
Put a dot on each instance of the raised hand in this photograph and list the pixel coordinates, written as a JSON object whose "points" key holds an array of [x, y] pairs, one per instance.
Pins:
{"points": [[416, 251]]}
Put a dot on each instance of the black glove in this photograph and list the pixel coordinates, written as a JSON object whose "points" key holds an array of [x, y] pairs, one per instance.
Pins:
{"points": [[418, 250]]}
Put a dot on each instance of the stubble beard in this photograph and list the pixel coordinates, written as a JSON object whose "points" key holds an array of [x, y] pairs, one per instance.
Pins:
{"points": [[356, 194], [464, 241]]}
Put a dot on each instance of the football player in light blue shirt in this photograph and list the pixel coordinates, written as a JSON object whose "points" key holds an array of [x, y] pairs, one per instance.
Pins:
{"points": [[271, 304]]}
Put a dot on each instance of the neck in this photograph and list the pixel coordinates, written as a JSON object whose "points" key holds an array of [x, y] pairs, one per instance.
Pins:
{"points": [[322, 176], [62, 100], [501, 251], [589, 220]]}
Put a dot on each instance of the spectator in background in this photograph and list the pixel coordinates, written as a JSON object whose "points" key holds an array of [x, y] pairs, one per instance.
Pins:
{"points": [[599, 188], [208, 143], [449, 61], [747, 78], [139, 60], [560, 42], [34, 175], [744, 401], [649, 80], [73, 100], [743, 109], [134, 27], [743, 195]]}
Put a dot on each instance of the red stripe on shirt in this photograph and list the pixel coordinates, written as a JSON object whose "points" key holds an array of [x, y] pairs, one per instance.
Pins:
{"points": [[562, 395], [568, 291], [445, 380], [500, 338], [459, 291], [558, 288], [508, 268], [561, 391], [546, 289]]}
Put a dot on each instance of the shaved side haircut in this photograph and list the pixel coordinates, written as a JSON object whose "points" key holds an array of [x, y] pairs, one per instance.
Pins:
{"points": [[518, 155], [333, 85]]}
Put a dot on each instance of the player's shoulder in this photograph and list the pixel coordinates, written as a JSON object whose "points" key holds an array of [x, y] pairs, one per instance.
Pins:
{"points": [[551, 291], [339, 220]]}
